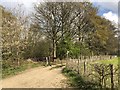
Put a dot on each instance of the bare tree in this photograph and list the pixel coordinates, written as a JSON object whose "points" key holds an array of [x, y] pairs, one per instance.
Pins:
{"points": [[14, 34], [58, 19]]}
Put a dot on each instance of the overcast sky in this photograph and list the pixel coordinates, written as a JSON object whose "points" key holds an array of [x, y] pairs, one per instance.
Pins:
{"points": [[107, 8]]}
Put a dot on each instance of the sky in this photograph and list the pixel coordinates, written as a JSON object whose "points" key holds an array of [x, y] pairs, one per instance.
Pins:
{"points": [[106, 8]]}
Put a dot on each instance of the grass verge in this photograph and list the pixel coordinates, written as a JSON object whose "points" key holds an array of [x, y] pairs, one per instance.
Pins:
{"points": [[10, 71], [78, 81]]}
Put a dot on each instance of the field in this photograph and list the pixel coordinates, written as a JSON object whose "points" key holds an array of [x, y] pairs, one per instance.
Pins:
{"points": [[113, 61], [97, 71]]}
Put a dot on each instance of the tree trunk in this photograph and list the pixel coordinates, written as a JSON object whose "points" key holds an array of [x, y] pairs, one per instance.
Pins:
{"points": [[54, 50], [18, 62]]}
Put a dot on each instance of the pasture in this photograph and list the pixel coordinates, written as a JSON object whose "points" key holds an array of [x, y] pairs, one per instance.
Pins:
{"points": [[113, 61]]}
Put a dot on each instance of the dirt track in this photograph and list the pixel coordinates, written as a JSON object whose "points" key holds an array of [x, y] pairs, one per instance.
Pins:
{"points": [[40, 77]]}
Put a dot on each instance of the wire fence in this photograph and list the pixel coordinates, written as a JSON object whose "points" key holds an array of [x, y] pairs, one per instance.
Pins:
{"points": [[105, 74]]}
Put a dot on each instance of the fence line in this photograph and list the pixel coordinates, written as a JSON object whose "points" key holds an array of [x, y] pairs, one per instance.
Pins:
{"points": [[83, 66]]}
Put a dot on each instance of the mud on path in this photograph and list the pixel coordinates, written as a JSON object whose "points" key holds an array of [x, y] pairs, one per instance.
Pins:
{"points": [[40, 77]]}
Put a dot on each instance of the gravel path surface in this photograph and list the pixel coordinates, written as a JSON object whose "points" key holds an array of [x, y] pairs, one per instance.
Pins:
{"points": [[40, 77]]}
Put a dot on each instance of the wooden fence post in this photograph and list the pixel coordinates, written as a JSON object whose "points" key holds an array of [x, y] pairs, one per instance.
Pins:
{"points": [[67, 63], [78, 67], [111, 73], [84, 67]]}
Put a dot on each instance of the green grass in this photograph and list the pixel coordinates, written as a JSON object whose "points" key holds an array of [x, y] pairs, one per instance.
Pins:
{"points": [[113, 61], [84, 82], [77, 81], [10, 71]]}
